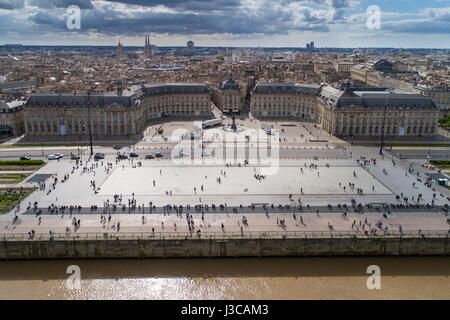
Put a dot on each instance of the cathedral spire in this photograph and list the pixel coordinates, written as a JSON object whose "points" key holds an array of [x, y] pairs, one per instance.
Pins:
{"points": [[119, 50], [147, 48]]}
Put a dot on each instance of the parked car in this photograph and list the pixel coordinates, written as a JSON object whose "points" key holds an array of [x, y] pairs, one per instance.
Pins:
{"points": [[53, 157], [117, 147], [182, 154], [99, 156], [149, 156], [74, 157], [25, 158], [158, 155], [133, 155], [121, 157]]}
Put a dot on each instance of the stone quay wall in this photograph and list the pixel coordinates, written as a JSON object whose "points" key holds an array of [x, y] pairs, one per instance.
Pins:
{"points": [[216, 248]]}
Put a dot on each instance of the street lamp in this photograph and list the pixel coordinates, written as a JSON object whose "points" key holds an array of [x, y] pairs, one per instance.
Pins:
{"points": [[90, 134], [89, 118], [382, 127]]}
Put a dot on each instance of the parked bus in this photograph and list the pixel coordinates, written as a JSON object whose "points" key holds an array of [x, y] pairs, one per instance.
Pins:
{"points": [[211, 123]]}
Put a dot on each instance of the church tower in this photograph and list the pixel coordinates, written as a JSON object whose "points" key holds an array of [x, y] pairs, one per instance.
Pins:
{"points": [[119, 51], [147, 48]]}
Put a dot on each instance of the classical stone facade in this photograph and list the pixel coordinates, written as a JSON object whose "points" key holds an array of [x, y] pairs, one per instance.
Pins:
{"points": [[349, 112], [285, 100], [362, 113], [52, 115], [439, 95], [228, 97], [11, 118]]}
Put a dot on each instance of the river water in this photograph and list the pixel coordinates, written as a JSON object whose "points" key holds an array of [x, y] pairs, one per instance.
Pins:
{"points": [[268, 278]]}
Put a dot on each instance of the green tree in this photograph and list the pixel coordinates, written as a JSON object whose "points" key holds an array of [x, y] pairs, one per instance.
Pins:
{"points": [[220, 57]]}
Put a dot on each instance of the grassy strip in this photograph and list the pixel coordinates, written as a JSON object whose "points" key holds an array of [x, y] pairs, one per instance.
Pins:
{"points": [[20, 168], [441, 164], [21, 163], [12, 177], [9, 197], [75, 144]]}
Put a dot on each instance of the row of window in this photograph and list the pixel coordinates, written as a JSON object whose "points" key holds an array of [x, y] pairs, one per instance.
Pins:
{"points": [[388, 131], [275, 98], [182, 113], [78, 129], [166, 109], [178, 98], [178, 105], [285, 113]]}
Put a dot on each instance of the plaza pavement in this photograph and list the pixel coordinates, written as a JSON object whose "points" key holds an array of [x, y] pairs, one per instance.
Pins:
{"points": [[318, 190], [77, 191]]}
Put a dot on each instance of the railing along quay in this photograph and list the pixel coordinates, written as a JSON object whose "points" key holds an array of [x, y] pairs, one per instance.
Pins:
{"points": [[222, 235], [255, 208]]}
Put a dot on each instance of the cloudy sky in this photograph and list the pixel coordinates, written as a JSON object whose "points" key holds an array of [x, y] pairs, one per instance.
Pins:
{"points": [[266, 23]]}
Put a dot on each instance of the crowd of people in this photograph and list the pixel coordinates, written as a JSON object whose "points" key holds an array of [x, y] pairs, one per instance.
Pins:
{"points": [[131, 204]]}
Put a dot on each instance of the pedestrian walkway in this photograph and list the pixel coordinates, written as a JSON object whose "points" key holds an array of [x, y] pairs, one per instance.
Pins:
{"points": [[12, 141]]}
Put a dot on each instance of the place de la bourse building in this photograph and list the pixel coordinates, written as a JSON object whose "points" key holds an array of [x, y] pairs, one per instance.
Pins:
{"points": [[346, 112], [122, 114]]}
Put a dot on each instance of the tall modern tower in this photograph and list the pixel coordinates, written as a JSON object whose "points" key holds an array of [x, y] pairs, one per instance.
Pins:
{"points": [[147, 48], [310, 47]]}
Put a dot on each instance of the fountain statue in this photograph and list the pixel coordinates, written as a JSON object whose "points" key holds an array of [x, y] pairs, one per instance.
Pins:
{"points": [[233, 125]]}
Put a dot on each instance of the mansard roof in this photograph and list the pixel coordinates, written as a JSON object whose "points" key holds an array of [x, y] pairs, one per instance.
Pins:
{"points": [[290, 88], [373, 99], [175, 88], [230, 85], [78, 100]]}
